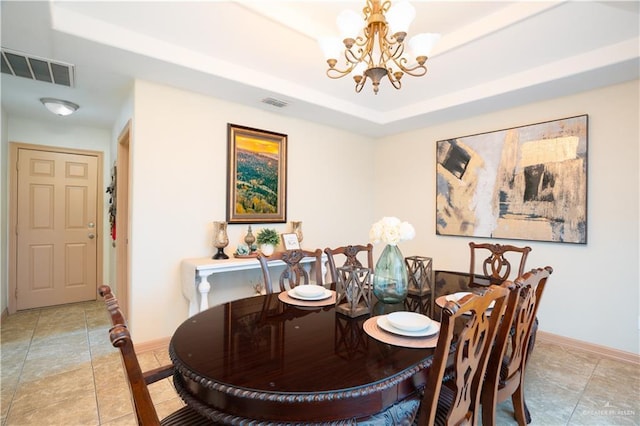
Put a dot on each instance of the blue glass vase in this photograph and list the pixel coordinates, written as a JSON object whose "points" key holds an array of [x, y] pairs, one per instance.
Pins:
{"points": [[390, 280]]}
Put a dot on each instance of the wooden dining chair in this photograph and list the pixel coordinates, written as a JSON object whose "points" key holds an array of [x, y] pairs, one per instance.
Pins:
{"points": [[508, 359], [497, 265], [457, 400], [294, 272], [348, 256], [138, 381]]}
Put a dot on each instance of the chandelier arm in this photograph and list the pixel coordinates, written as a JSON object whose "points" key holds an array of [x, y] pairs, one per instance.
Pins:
{"points": [[354, 58], [367, 47], [394, 50], [360, 84], [335, 73], [415, 71], [367, 10], [363, 46], [396, 83], [383, 43]]}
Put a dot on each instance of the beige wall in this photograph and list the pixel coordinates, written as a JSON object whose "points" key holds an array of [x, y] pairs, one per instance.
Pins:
{"points": [[178, 180], [121, 122], [179, 188], [593, 294]]}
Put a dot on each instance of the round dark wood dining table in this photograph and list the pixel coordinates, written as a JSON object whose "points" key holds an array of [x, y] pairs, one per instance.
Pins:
{"points": [[262, 360]]}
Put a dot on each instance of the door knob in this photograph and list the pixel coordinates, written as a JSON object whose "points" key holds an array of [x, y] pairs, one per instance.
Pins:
{"points": [[92, 236]]}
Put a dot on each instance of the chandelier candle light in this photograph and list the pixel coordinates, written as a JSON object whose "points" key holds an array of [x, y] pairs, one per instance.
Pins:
{"points": [[390, 280], [380, 51]]}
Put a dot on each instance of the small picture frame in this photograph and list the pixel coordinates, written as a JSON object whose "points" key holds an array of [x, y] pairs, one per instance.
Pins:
{"points": [[290, 242]]}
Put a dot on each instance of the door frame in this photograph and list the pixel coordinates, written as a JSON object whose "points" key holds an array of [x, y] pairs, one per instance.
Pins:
{"points": [[14, 147], [123, 164]]}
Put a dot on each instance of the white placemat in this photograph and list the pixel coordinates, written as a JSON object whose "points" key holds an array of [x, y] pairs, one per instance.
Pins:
{"points": [[285, 298], [371, 328]]}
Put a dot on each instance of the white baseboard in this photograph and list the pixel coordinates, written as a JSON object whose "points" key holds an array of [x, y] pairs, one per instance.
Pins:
{"points": [[604, 351]]}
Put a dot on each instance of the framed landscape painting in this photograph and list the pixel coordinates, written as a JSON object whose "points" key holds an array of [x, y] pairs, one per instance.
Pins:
{"points": [[257, 175], [526, 183]]}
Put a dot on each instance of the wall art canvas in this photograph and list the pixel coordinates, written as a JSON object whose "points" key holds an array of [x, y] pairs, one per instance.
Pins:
{"points": [[526, 183], [257, 176]]}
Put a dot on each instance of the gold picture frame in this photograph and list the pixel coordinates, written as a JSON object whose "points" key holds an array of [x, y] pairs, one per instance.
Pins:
{"points": [[256, 176]]}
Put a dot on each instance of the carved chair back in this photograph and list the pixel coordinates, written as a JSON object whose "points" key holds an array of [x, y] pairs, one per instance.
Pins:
{"points": [[497, 265], [457, 401], [295, 271], [137, 379], [507, 362], [350, 255]]}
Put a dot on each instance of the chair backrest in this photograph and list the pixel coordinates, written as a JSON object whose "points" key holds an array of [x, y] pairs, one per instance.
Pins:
{"points": [[350, 254], [497, 266], [295, 272], [473, 343], [121, 339], [507, 362]]}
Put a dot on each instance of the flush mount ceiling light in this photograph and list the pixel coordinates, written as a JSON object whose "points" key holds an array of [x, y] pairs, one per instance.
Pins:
{"points": [[59, 107], [380, 51]]}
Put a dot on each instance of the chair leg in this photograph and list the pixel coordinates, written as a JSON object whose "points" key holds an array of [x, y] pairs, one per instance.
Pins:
{"points": [[521, 411], [489, 401]]}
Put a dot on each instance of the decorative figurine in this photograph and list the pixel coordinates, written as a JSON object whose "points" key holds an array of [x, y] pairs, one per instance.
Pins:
{"points": [[220, 239], [296, 228], [249, 240]]}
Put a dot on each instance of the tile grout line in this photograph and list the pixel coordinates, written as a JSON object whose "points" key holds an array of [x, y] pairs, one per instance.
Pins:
{"points": [[93, 372], [582, 392], [24, 360]]}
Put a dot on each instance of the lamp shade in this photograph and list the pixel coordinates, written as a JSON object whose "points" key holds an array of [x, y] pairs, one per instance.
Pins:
{"points": [[331, 47], [400, 16], [349, 23], [422, 44], [59, 107]]}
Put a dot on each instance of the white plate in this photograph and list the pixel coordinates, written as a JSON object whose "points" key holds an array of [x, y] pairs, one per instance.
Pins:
{"points": [[383, 323], [309, 290], [292, 293], [457, 296], [408, 321]]}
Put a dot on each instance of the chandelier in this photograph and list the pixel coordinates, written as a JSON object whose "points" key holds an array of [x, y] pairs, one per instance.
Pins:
{"points": [[380, 50]]}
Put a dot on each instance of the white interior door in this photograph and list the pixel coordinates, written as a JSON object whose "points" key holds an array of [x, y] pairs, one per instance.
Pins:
{"points": [[56, 228]]}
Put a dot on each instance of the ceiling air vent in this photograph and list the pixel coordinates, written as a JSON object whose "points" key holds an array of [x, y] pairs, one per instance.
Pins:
{"points": [[34, 68], [275, 102]]}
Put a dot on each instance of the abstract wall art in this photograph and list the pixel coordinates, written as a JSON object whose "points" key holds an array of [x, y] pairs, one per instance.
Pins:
{"points": [[525, 183]]}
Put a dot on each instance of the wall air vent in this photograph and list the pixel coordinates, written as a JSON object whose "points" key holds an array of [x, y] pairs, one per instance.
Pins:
{"points": [[275, 102], [34, 68]]}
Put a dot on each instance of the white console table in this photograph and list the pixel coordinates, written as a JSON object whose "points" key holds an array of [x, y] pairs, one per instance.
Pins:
{"points": [[195, 274]]}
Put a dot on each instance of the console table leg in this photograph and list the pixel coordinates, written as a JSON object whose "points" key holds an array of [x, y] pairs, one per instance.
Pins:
{"points": [[193, 307], [204, 287]]}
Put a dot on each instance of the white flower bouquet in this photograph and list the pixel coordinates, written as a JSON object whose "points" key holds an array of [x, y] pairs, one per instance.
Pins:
{"points": [[391, 230]]}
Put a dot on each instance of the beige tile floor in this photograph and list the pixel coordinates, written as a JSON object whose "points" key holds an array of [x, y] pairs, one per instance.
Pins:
{"points": [[59, 368]]}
